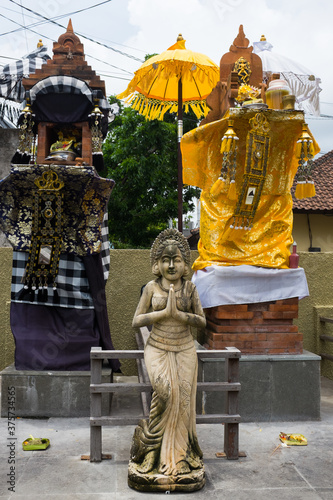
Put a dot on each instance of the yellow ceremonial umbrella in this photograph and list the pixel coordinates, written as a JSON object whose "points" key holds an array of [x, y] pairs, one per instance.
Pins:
{"points": [[174, 79]]}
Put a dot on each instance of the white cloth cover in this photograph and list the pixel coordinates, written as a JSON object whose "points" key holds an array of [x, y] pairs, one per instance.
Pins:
{"points": [[296, 75], [221, 285]]}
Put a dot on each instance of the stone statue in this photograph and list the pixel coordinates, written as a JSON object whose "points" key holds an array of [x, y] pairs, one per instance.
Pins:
{"points": [[165, 454]]}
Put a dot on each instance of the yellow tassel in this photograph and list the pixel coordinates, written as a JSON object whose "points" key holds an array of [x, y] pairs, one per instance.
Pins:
{"points": [[217, 187], [144, 111], [140, 104], [135, 104], [232, 195], [174, 108], [225, 145], [142, 107], [156, 111], [197, 110], [299, 191], [229, 139], [164, 109], [309, 190], [305, 141], [298, 148], [150, 112]]}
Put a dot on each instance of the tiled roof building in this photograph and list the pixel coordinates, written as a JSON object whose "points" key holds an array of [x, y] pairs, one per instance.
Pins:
{"points": [[322, 203]]}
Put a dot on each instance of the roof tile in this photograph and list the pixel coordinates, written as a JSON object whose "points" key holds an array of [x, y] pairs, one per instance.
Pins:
{"points": [[323, 179]]}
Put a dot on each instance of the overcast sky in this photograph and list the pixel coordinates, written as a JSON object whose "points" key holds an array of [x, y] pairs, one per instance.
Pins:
{"points": [[298, 29]]}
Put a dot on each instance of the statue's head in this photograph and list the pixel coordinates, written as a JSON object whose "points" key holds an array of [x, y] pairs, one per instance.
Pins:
{"points": [[165, 241]]}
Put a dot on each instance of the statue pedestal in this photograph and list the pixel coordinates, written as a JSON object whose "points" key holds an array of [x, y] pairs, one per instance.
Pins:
{"points": [[154, 482], [252, 308], [259, 328], [50, 393], [273, 387]]}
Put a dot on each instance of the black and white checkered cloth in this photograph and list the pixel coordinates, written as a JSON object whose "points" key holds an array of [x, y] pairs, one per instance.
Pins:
{"points": [[63, 84], [13, 73], [72, 282], [105, 247]]}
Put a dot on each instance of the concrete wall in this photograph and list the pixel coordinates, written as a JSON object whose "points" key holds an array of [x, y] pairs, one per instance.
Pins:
{"points": [[319, 272], [6, 337], [321, 227], [130, 269]]}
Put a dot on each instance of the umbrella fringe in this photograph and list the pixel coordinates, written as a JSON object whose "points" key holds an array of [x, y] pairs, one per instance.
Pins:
{"points": [[142, 109], [197, 110], [159, 112], [136, 103], [153, 109]]}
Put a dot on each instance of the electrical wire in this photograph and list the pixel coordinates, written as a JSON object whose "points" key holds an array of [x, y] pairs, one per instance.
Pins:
{"points": [[6, 57], [23, 19], [39, 23], [25, 27], [320, 117], [80, 34], [52, 40], [113, 76]]}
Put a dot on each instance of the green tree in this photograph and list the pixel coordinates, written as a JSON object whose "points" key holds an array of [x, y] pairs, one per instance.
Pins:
{"points": [[141, 157]]}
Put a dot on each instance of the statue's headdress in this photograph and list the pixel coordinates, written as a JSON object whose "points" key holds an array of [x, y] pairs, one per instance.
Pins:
{"points": [[170, 237]]}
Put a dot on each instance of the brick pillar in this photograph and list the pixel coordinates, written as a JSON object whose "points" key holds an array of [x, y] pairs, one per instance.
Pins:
{"points": [[260, 328]]}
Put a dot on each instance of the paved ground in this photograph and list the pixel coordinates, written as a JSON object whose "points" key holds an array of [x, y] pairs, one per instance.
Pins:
{"points": [[269, 471]]}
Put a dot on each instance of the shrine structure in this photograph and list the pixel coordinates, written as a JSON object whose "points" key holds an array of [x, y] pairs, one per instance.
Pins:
{"points": [[54, 214], [244, 158]]}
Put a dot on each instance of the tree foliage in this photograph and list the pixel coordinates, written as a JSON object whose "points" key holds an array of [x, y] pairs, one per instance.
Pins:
{"points": [[141, 157]]}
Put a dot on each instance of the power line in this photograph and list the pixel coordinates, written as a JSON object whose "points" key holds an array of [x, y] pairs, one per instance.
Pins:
{"points": [[23, 19], [113, 76], [57, 17], [39, 23], [321, 117], [6, 57], [25, 27], [52, 40], [127, 46], [80, 34]]}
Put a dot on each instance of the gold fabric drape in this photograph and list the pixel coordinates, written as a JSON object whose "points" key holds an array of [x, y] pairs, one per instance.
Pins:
{"points": [[267, 243]]}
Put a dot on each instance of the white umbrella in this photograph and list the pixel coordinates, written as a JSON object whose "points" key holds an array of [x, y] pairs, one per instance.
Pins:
{"points": [[303, 84]]}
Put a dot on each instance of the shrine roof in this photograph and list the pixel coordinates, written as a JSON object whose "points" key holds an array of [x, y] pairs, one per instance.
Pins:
{"points": [[68, 59], [323, 180]]}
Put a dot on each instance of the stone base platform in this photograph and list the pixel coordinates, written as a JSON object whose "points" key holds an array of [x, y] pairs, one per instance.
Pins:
{"points": [[273, 387], [155, 482], [50, 394]]}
